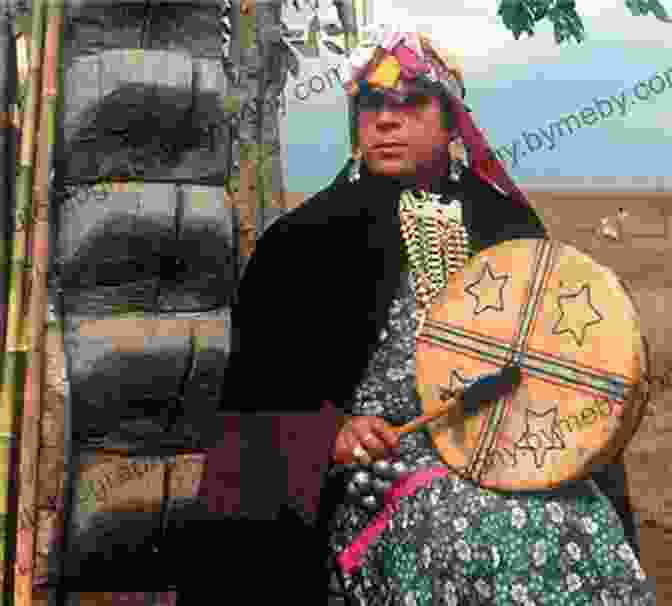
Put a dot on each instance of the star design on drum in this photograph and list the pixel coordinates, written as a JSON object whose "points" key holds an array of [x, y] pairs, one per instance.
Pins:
{"points": [[488, 291], [577, 313], [546, 438]]}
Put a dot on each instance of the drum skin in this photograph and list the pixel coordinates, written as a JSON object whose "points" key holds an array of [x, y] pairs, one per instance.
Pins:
{"points": [[573, 329]]}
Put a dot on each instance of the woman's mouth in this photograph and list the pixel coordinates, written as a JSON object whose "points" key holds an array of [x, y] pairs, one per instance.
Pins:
{"points": [[389, 146], [392, 148]]}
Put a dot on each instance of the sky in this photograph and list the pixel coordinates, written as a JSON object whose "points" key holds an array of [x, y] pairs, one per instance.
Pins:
{"points": [[516, 89]]}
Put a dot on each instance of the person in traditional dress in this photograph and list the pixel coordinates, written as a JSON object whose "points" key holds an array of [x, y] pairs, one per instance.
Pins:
{"points": [[410, 531], [325, 323]]}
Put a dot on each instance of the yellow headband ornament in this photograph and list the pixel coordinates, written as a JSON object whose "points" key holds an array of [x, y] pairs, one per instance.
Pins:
{"points": [[386, 75], [400, 56]]}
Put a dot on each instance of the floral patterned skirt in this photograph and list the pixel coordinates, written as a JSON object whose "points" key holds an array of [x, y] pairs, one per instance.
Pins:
{"points": [[443, 541]]}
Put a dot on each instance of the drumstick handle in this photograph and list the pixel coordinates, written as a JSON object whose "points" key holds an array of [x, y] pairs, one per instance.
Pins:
{"points": [[423, 420]]}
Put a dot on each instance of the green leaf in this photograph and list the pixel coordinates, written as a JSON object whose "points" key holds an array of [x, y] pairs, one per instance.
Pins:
{"points": [[566, 22], [518, 16], [658, 11], [522, 16], [643, 7], [636, 7], [540, 8]]}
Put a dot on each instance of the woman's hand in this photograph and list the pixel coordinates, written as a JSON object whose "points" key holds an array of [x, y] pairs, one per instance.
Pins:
{"points": [[373, 435]]}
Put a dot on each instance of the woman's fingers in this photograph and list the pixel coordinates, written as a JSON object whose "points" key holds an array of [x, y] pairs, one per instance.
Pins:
{"points": [[371, 436], [386, 433], [345, 446], [359, 453], [350, 445], [368, 438]]}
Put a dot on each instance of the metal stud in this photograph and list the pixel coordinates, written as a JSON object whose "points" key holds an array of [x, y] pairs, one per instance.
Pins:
{"points": [[362, 479], [370, 502]]}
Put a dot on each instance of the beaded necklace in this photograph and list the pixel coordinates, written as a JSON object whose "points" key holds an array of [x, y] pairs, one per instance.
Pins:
{"points": [[436, 242]]}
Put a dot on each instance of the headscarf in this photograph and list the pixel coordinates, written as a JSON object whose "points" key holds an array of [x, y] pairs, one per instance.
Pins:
{"points": [[395, 60]]}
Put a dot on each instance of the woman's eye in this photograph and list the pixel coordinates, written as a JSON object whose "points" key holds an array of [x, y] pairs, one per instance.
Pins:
{"points": [[418, 100], [372, 101]]}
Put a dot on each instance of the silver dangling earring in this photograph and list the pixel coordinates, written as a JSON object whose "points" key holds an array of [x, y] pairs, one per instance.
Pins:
{"points": [[458, 158], [354, 175], [456, 168]]}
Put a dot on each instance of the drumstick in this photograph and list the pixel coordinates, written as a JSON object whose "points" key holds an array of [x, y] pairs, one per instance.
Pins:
{"points": [[423, 420], [488, 388]]}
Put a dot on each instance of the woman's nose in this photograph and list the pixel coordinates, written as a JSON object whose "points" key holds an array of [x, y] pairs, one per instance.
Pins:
{"points": [[388, 114]]}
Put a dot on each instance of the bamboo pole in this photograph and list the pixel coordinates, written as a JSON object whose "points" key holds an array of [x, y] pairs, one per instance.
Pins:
{"points": [[23, 44], [19, 42], [10, 396], [23, 51], [8, 168], [37, 316]]}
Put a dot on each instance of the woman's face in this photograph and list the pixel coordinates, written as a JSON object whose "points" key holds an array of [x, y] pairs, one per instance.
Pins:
{"points": [[404, 140]]}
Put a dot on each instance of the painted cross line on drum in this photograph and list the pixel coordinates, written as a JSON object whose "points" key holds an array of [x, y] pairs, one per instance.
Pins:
{"points": [[544, 259], [533, 363]]}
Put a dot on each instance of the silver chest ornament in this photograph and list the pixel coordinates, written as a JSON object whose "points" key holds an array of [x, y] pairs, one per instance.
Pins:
{"points": [[437, 244]]}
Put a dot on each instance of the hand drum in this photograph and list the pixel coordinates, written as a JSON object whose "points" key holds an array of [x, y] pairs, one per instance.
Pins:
{"points": [[571, 326]]}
